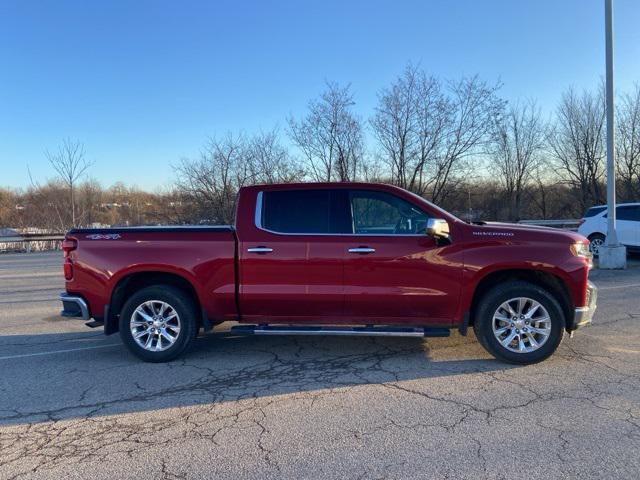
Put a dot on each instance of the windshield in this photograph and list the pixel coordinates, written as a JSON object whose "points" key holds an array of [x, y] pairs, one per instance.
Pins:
{"points": [[433, 206]]}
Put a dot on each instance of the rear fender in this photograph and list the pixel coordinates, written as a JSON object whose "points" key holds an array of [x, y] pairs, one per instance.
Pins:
{"points": [[131, 280]]}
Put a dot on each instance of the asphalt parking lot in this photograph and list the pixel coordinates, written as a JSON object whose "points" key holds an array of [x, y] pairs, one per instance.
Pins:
{"points": [[76, 404]]}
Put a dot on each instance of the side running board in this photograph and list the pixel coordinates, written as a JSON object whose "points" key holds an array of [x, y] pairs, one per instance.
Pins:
{"points": [[340, 331]]}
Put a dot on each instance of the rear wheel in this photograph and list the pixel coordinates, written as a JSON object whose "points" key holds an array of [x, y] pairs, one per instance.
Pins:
{"points": [[596, 240], [158, 323], [519, 322]]}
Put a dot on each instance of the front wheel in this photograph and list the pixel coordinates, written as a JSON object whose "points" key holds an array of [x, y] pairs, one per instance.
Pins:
{"points": [[158, 323], [519, 322]]}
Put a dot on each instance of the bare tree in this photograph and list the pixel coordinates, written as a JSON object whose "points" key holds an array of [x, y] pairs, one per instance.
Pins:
{"points": [[540, 190], [405, 111], [42, 206], [427, 129], [9, 207], [577, 143], [89, 194], [330, 136], [70, 164], [270, 161], [628, 143], [517, 142], [226, 164], [212, 181], [471, 105]]}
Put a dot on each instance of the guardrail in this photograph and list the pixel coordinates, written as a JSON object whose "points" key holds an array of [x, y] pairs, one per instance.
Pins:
{"points": [[31, 242], [567, 224]]}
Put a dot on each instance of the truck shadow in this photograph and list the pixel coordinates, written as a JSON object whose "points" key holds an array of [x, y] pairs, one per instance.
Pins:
{"points": [[92, 375]]}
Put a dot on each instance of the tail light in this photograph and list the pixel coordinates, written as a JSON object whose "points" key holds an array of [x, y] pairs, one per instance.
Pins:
{"points": [[68, 245]]}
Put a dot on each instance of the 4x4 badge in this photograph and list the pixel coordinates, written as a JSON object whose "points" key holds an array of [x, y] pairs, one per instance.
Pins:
{"points": [[103, 236]]}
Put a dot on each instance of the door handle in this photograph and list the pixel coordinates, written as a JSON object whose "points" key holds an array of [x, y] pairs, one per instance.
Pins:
{"points": [[362, 250], [260, 249]]}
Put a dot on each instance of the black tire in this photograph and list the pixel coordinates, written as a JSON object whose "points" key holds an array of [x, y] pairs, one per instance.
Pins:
{"points": [[597, 240], [184, 307], [491, 302]]}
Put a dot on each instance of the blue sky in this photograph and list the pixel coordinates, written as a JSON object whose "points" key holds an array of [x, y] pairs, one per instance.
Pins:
{"points": [[144, 83]]}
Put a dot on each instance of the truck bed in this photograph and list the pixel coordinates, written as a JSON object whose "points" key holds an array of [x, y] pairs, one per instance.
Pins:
{"points": [[107, 258]]}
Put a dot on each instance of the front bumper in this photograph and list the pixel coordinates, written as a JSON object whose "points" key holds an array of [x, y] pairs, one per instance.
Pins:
{"points": [[74, 306], [583, 315]]}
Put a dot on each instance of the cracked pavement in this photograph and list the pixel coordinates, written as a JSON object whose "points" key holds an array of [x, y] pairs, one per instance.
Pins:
{"points": [[76, 404]]}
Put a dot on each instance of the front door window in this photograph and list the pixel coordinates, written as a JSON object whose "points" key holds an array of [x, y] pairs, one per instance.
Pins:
{"points": [[379, 213]]}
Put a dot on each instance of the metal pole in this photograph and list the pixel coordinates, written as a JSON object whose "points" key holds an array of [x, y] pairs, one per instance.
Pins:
{"points": [[612, 254], [612, 237]]}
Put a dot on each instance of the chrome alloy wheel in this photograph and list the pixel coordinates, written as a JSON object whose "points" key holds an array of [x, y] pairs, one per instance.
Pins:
{"points": [[521, 325], [155, 325]]}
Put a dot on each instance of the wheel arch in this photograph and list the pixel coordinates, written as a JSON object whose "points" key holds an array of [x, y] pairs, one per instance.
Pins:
{"points": [[133, 282], [554, 284], [597, 232]]}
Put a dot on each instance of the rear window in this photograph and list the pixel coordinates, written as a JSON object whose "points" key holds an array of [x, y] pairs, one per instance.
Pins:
{"points": [[629, 213], [593, 211], [305, 211]]}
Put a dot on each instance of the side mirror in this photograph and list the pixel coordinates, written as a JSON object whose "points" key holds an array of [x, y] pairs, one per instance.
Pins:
{"points": [[437, 228]]}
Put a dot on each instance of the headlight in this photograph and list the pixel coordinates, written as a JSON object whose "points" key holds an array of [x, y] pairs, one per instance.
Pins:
{"points": [[580, 249]]}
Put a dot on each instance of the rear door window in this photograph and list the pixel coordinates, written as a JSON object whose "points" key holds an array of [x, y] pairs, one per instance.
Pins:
{"points": [[319, 211]]}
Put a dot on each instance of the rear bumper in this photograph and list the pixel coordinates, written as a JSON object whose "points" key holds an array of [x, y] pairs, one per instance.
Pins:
{"points": [[584, 315], [74, 306]]}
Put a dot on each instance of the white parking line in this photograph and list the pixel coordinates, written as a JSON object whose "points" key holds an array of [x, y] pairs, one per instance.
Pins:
{"points": [[615, 287], [24, 355]]}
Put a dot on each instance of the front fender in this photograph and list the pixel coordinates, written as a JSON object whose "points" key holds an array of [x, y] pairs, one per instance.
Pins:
{"points": [[486, 260]]}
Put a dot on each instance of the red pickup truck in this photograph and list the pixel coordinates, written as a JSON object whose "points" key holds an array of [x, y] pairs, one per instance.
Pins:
{"points": [[332, 259]]}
